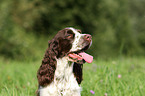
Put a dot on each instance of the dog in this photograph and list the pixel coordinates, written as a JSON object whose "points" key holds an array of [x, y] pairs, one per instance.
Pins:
{"points": [[60, 73]]}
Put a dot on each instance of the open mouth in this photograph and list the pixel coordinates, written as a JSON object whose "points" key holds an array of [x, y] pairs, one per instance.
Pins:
{"points": [[79, 56]]}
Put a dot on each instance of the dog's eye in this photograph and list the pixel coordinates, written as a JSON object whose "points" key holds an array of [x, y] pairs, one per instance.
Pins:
{"points": [[70, 34]]}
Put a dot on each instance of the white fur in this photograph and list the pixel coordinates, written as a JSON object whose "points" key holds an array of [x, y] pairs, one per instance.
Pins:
{"points": [[75, 44], [64, 83]]}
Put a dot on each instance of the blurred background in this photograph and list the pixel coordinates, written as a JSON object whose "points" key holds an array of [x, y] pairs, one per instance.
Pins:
{"points": [[117, 26]]}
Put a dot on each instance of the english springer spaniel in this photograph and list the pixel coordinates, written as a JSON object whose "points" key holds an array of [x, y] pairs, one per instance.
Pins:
{"points": [[61, 70]]}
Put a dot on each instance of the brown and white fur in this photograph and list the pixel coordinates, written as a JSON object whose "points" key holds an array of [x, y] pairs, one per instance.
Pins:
{"points": [[58, 74]]}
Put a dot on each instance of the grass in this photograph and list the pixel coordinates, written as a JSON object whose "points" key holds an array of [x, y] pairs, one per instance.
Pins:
{"points": [[19, 78]]}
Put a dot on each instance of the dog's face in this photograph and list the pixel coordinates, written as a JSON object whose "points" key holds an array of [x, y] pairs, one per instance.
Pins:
{"points": [[81, 41], [71, 42]]}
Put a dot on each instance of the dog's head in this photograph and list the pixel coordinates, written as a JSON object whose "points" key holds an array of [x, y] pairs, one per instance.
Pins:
{"points": [[72, 43]]}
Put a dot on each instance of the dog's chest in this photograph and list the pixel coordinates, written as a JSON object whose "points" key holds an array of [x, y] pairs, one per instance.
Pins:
{"points": [[64, 83], [64, 69], [64, 78]]}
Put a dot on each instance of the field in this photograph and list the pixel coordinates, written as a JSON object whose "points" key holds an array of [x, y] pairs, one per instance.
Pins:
{"points": [[116, 77]]}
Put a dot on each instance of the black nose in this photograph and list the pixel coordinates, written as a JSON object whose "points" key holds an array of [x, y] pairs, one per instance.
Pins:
{"points": [[88, 37]]}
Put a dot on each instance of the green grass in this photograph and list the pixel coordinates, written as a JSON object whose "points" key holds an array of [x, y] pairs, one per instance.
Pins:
{"points": [[19, 78]]}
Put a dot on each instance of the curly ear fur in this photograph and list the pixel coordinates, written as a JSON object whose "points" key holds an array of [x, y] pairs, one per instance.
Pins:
{"points": [[47, 69]]}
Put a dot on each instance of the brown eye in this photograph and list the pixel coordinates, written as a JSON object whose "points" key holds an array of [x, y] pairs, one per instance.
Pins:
{"points": [[70, 34]]}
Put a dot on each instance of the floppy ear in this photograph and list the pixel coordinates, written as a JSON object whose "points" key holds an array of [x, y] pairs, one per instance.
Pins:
{"points": [[46, 71], [78, 72], [54, 47]]}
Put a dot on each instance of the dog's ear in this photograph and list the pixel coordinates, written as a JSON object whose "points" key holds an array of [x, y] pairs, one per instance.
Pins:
{"points": [[78, 72], [47, 69], [46, 73], [54, 47]]}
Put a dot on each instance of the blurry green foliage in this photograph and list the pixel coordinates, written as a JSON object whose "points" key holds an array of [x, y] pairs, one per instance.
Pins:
{"points": [[117, 26]]}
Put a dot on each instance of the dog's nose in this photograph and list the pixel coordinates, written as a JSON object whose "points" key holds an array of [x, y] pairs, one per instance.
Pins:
{"points": [[88, 37]]}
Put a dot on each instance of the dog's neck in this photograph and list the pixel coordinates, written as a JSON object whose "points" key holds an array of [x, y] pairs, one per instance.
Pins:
{"points": [[64, 69]]}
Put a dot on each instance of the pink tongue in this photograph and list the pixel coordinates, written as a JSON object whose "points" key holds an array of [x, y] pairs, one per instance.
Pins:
{"points": [[88, 58]]}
